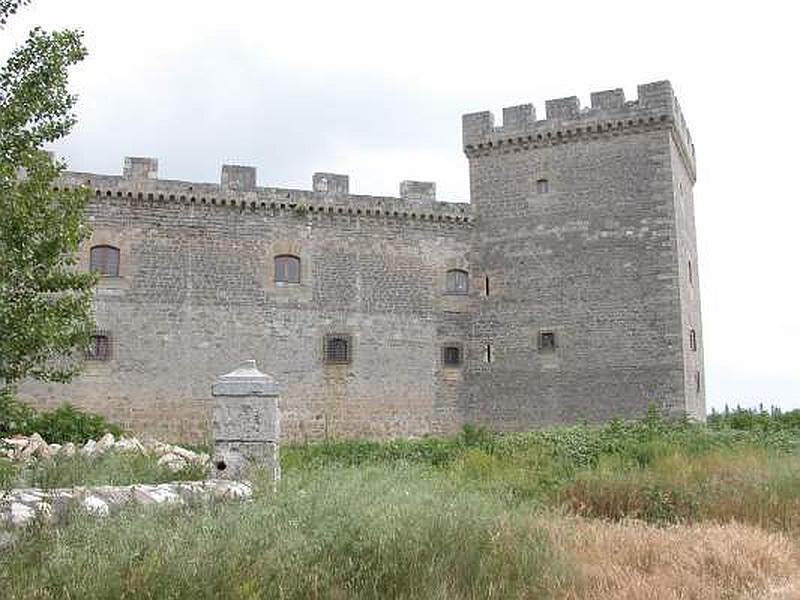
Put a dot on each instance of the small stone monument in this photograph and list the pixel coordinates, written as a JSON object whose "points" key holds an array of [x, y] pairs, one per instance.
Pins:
{"points": [[246, 423]]}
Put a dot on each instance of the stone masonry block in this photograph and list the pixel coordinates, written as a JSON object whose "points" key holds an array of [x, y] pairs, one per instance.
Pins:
{"points": [[238, 178], [418, 190], [608, 99], [140, 167], [563, 108], [331, 184]]}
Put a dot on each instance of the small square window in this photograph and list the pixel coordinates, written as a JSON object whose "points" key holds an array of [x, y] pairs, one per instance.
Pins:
{"points": [[542, 186], [451, 356], [287, 269], [547, 341], [338, 349], [457, 282], [99, 347]]}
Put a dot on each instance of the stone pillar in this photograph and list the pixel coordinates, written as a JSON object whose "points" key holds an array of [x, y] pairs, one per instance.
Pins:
{"points": [[246, 424]]}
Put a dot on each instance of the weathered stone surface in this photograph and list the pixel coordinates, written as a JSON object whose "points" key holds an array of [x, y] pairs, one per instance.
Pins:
{"points": [[581, 224], [21, 448], [246, 425], [19, 507]]}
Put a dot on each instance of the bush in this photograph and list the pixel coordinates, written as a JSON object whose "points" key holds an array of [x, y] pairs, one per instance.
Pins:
{"points": [[68, 424], [59, 426], [15, 417]]}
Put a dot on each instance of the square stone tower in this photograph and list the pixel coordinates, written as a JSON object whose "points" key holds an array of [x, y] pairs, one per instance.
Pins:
{"points": [[584, 233]]}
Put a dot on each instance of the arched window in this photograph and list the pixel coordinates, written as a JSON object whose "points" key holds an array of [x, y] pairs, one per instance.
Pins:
{"points": [[287, 269], [104, 260], [457, 282], [542, 186]]}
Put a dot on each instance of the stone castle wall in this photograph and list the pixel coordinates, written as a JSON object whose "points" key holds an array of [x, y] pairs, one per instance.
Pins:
{"points": [[196, 295], [596, 265], [580, 232]]}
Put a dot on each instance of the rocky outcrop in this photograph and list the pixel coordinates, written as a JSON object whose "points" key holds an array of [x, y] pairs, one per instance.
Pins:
{"points": [[34, 447], [21, 506]]}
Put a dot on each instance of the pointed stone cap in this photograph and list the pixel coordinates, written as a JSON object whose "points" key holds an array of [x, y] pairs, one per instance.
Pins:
{"points": [[245, 380]]}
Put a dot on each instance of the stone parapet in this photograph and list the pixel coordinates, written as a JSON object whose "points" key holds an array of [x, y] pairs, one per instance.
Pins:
{"points": [[330, 195], [609, 115]]}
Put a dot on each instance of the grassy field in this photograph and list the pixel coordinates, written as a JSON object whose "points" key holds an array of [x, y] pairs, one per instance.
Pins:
{"points": [[648, 509]]}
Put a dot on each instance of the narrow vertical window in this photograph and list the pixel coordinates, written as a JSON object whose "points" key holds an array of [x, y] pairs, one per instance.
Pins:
{"points": [[691, 274], [287, 269], [451, 356], [104, 260], [693, 340], [488, 353], [486, 283], [547, 341], [697, 381], [457, 282]]}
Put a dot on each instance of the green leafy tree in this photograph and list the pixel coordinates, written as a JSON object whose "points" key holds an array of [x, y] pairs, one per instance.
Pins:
{"points": [[45, 302]]}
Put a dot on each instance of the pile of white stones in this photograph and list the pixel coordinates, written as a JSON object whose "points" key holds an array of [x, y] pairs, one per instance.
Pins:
{"points": [[20, 506], [33, 447]]}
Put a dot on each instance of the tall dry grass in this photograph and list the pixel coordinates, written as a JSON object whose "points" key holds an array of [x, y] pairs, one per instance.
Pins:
{"points": [[747, 485], [631, 560]]}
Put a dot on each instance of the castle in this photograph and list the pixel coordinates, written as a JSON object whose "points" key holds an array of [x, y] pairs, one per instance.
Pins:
{"points": [[566, 290]]}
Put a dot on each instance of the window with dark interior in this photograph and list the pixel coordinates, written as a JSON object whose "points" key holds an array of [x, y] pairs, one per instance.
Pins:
{"points": [[697, 381], [104, 260], [287, 269], [542, 186], [99, 347], [693, 340], [547, 341], [337, 349], [457, 282], [452, 356]]}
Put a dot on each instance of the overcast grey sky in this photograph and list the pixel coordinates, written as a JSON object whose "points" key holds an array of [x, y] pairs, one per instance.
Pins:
{"points": [[376, 90]]}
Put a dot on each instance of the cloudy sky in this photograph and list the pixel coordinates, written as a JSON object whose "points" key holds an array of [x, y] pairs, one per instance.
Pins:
{"points": [[376, 90]]}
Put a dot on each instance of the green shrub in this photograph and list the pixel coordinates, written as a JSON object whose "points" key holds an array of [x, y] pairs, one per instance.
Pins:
{"points": [[64, 424], [68, 424], [15, 416]]}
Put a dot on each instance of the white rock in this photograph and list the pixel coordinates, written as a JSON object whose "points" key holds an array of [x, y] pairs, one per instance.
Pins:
{"points": [[172, 461], [105, 442], [17, 441], [68, 449], [163, 494], [95, 506], [231, 490], [128, 445], [156, 447], [184, 453], [89, 448], [43, 450], [20, 513]]}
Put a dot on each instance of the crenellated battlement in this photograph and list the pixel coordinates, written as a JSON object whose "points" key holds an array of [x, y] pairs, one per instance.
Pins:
{"points": [[238, 190], [609, 114]]}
